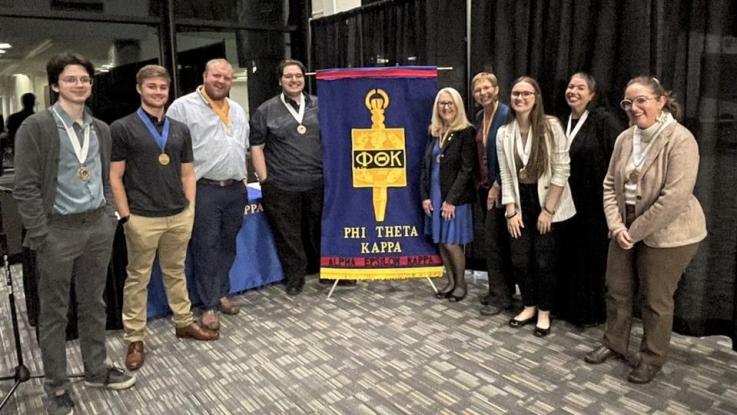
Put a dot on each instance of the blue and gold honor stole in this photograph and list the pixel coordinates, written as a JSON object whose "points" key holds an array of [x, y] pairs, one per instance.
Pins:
{"points": [[160, 138], [374, 132]]}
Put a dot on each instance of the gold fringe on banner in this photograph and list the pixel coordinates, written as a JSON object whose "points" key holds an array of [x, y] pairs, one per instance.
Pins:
{"points": [[380, 273]]}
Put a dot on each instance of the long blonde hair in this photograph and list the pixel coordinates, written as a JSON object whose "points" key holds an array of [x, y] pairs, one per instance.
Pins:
{"points": [[459, 123]]}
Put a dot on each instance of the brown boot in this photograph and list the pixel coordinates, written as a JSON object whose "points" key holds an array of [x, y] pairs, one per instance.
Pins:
{"points": [[228, 307], [600, 355], [194, 331], [135, 357], [210, 321], [643, 373]]}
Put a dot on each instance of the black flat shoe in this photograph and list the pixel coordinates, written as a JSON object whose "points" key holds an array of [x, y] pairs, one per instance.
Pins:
{"points": [[445, 292], [519, 323], [457, 298], [541, 332]]}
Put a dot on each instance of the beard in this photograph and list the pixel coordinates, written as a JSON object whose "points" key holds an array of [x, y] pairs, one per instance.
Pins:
{"points": [[215, 93]]}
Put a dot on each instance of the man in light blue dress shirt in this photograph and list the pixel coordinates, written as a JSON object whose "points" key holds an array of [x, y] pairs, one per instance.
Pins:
{"points": [[219, 130]]}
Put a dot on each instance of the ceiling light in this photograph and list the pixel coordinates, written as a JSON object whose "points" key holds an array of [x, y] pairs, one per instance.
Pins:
{"points": [[5, 46], [2, 51]]}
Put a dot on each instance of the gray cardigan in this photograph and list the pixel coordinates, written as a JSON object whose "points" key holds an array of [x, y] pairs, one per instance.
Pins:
{"points": [[36, 169]]}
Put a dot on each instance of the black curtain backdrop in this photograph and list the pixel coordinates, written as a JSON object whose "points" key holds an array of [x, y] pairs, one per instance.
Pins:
{"points": [[395, 33], [689, 45]]}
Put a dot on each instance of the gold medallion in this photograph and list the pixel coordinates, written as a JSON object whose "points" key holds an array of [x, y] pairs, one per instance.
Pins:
{"points": [[83, 172], [523, 174], [301, 129], [164, 159]]}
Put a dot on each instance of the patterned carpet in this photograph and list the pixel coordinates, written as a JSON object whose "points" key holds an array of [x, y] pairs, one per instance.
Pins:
{"points": [[383, 348]]}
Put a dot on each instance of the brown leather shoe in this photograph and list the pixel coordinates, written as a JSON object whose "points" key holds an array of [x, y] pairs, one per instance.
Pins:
{"points": [[644, 373], [600, 355], [194, 331], [228, 307], [135, 357], [210, 320]]}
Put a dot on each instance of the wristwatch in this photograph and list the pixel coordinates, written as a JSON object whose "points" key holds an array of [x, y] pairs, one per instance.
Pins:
{"points": [[508, 216]]}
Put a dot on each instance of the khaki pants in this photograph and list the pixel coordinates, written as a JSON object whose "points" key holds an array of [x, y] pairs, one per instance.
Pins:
{"points": [[145, 237], [656, 271]]}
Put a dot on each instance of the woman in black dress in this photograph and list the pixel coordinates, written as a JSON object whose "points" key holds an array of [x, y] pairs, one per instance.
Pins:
{"points": [[582, 241]]}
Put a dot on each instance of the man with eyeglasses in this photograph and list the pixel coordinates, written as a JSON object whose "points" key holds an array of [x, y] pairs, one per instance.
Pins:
{"points": [[286, 149], [64, 200], [219, 130]]}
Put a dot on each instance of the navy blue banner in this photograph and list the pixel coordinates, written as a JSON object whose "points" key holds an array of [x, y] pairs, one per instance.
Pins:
{"points": [[374, 125]]}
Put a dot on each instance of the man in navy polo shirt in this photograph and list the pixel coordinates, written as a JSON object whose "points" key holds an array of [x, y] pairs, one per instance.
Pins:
{"points": [[153, 181]]}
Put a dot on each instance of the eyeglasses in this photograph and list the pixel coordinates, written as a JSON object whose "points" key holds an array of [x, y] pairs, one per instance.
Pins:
{"points": [[76, 79], [446, 104], [523, 94], [293, 76], [626, 104]]}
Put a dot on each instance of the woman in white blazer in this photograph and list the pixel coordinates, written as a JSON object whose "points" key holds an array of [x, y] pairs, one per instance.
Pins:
{"points": [[534, 166]]}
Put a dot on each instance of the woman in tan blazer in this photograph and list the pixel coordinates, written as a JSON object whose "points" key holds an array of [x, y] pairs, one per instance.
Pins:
{"points": [[534, 168], [655, 224]]}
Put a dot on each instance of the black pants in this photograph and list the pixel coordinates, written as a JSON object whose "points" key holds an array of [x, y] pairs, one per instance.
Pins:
{"points": [[533, 254], [218, 218], [498, 259], [295, 219]]}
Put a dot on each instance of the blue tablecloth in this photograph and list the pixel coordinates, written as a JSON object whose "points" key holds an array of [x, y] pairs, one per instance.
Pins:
{"points": [[256, 263]]}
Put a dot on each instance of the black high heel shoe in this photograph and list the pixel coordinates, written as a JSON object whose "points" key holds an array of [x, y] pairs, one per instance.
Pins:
{"points": [[445, 292], [457, 298]]}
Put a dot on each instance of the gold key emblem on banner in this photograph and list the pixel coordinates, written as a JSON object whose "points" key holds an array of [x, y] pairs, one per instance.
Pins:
{"points": [[379, 159]]}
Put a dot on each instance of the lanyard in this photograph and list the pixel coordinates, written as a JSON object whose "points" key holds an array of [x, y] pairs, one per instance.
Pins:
{"points": [[524, 154], [298, 116], [160, 139], [572, 134], [223, 112], [485, 127], [79, 151]]}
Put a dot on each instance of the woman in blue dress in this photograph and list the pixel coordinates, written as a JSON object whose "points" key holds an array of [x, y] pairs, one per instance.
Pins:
{"points": [[448, 189]]}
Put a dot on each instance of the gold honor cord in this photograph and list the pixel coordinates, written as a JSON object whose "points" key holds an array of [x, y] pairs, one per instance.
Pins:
{"points": [[379, 159]]}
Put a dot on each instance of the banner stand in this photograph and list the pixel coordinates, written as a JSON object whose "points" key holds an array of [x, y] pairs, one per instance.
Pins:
{"points": [[374, 123], [335, 284]]}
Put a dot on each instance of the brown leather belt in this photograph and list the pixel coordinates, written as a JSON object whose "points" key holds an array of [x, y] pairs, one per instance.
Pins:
{"points": [[219, 183]]}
